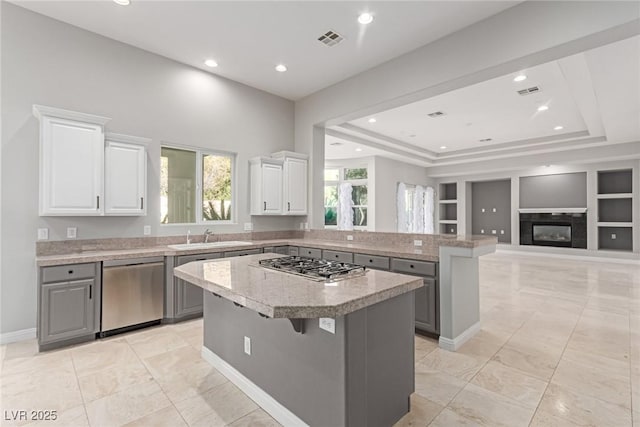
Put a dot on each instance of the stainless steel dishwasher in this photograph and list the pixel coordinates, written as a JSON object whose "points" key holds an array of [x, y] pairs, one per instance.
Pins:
{"points": [[132, 294]]}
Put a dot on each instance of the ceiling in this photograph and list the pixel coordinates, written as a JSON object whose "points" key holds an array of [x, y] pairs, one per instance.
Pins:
{"points": [[594, 96], [249, 38]]}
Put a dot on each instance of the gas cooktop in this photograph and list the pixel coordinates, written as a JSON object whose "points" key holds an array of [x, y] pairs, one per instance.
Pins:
{"points": [[315, 269]]}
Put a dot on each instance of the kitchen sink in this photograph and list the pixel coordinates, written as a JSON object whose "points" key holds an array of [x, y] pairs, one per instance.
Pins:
{"points": [[209, 245]]}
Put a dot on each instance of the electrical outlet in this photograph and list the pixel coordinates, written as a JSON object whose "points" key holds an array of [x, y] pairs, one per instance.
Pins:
{"points": [[349, 236], [247, 345], [417, 243], [328, 324], [483, 210], [495, 210], [453, 230], [302, 226], [248, 226], [613, 236], [72, 232], [43, 234], [306, 225], [147, 230], [482, 231], [493, 231], [501, 231]]}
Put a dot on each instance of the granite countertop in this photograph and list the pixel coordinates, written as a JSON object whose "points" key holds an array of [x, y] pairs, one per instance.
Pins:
{"points": [[381, 248], [282, 295]]}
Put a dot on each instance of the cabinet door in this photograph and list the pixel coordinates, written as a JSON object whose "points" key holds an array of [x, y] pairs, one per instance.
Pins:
{"points": [[295, 187], [272, 189], [189, 298], [426, 307], [71, 165], [67, 310], [125, 179]]}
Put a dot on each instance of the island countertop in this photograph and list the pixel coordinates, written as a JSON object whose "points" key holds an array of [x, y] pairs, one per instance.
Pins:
{"points": [[281, 295]]}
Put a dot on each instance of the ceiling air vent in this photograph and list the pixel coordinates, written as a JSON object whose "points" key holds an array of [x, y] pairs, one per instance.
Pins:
{"points": [[486, 140], [435, 114], [529, 90], [330, 38]]}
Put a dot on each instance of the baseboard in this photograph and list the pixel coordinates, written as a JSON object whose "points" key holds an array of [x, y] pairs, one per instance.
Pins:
{"points": [[575, 254], [15, 336], [454, 344], [264, 400]]}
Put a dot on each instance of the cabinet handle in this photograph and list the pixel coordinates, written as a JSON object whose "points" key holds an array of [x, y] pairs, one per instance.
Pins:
{"points": [[90, 291], [97, 202], [265, 206], [141, 202], [288, 206]]}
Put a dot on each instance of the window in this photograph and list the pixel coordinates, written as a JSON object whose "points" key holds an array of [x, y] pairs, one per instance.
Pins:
{"points": [[192, 178], [333, 177]]}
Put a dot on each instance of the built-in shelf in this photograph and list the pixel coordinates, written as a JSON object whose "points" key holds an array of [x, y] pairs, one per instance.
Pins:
{"points": [[448, 228], [615, 181], [449, 191], [448, 201], [552, 210], [615, 196], [615, 224], [448, 221]]}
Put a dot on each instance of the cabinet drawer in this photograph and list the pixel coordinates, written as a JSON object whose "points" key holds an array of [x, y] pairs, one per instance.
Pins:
{"points": [[294, 251], [197, 257], [337, 256], [242, 253], [310, 252], [372, 261], [65, 273], [422, 268]]}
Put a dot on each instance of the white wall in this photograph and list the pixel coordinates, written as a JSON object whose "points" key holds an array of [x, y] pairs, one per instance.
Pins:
{"points": [[388, 173], [51, 63], [523, 36]]}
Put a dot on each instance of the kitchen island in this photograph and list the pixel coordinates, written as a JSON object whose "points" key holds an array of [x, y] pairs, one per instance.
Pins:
{"points": [[310, 353]]}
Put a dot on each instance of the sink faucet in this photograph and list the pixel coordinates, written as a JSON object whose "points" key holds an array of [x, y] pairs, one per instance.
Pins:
{"points": [[207, 233], [188, 236]]}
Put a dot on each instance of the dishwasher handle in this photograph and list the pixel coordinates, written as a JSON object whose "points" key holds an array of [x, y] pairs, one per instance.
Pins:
{"points": [[132, 262]]}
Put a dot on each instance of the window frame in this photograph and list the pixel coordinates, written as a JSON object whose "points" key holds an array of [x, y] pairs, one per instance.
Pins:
{"points": [[200, 153], [353, 182]]}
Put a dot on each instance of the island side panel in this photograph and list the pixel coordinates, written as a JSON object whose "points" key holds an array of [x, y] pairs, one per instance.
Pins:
{"points": [[304, 372], [380, 362]]}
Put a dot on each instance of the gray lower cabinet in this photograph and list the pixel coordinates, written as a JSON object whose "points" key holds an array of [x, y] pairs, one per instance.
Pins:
{"points": [[427, 302], [310, 252], [338, 256], [188, 298], [282, 250], [68, 304], [243, 252]]}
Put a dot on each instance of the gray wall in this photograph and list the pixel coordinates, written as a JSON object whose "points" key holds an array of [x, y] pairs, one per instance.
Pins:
{"points": [[51, 63], [489, 195], [567, 190], [388, 173]]}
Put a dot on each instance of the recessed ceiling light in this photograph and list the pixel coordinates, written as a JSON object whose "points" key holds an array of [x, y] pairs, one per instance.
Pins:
{"points": [[365, 18], [443, 147], [358, 149], [372, 120], [520, 78], [210, 63], [543, 108], [281, 68], [122, 2], [558, 128]]}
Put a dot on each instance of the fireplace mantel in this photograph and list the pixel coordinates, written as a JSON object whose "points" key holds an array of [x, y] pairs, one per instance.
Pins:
{"points": [[553, 210]]}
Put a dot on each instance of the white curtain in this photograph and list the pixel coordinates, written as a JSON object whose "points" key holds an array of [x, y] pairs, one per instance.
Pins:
{"points": [[402, 208], [418, 209], [345, 205], [429, 205]]}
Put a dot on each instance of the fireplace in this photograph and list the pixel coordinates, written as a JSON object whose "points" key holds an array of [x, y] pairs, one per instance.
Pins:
{"points": [[565, 230], [550, 234]]}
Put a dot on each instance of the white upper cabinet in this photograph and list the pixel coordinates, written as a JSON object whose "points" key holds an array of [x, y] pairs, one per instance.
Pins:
{"points": [[71, 162], [295, 182], [266, 186], [125, 175]]}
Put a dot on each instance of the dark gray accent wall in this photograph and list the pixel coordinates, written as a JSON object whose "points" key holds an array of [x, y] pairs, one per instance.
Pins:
{"points": [[565, 190], [488, 195]]}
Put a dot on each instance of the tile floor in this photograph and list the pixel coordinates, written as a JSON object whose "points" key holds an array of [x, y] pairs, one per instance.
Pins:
{"points": [[559, 346]]}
